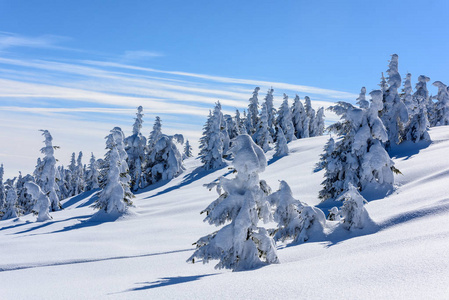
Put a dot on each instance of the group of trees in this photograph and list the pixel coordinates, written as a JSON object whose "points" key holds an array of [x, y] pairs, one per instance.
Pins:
{"points": [[129, 164], [267, 127]]}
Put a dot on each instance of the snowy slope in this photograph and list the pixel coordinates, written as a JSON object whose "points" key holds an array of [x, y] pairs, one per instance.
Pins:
{"points": [[403, 254]]}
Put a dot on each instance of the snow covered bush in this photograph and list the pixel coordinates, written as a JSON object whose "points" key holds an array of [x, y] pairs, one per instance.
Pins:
{"points": [[24, 200], [295, 220], [241, 244], [43, 203], [353, 212], [135, 148]]}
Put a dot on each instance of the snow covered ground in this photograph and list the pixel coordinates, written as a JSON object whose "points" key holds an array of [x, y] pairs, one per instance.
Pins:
{"points": [[404, 254]]}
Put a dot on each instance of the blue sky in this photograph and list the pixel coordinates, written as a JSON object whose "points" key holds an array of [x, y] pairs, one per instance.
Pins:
{"points": [[79, 68]]}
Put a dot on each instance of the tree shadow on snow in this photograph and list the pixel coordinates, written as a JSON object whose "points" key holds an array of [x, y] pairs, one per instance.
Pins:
{"points": [[79, 197], [46, 223], [407, 149], [166, 281], [195, 175]]}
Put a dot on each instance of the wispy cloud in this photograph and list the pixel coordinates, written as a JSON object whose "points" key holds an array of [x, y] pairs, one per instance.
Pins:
{"points": [[10, 40], [132, 56]]}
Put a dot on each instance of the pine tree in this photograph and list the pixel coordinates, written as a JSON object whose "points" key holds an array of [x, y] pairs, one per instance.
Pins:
{"points": [[212, 142], [318, 128], [187, 150], [25, 200], [406, 95], [10, 209], [43, 203], [2, 187], [47, 176], [281, 144], [442, 105], [253, 112], [262, 136], [361, 100], [135, 148], [394, 113], [359, 157], [295, 219], [92, 174], [239, 123], [115, 196], [72, 175], [310, 114], [284, 120], [326, 156], [80, 185], [271, 112], [241, 244], [300, 119]]}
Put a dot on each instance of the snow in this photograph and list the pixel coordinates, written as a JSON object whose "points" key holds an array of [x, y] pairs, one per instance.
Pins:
{"points": [[401, 254]]}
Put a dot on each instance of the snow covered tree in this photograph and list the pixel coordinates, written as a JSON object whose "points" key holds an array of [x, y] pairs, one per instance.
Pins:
{"points": [[43, 203], [241, 244], [406, 95], [2, 187], [334, 214], [72, 176], [212, 141], [78, 175], [318, 127], [271, 112], [262, 136], [383, 86], [281, 144], [300, 119], [115, 196], [25, 200], [361, 100], [47, 176], [295, 219], [359, 157], [284, 120], [231, 127], [239, 123], [92, 175], [442, 105], [353, 212], [10, 209], [310, 115], [326, 156], [187, 150], [394, 113], [253, 112], [135, 148]]}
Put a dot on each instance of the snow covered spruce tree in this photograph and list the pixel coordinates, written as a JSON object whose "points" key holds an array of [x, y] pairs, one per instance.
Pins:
{"points": [[326, 156], [78, 176], [115, 196], [406, 95], [212, 141], [24, 201], [262, 136], [359, 157], [281, 144], [394, 113], [353, 212], [43, 203], [187, 150], [92, 174], [10, 208], [442, 105], [418, 124], [2, 187], [163, 161], [284, 120], [300, 119], [310, 114], [241, 244], [295, 220], [253, 112], [271, 112], [47, 174], [135, 148], [239, 123], [318, 128]]}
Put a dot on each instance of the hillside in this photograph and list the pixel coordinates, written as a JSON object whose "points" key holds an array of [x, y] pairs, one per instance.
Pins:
{"points": [[402, 254]]}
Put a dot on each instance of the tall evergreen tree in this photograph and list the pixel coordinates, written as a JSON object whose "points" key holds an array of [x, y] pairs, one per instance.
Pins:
{"points": [[253, 112], [300, 119], [187, 150], [92, 174], [442, 105], [241, 244], [310, 114], [271, 111], [43, 203], [262, 136], [25, 200], [47, 176], [284, 120], [318, 128], [135, 148], [10, 209], [2, 187]]}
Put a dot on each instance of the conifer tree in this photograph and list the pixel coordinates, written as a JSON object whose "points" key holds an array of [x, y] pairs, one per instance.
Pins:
{"points": [[241, 244], [406, 95], [318, 128], [394, 113], [310, 114], [284, 120], [24, 199], [47, 176], [135, 148], [10, 209], [262, 136], [2, 187], [92, 174], [442, 105], [72, 175], [115, 196], [281, 144], [299, 119], [187, 150], [43, 203], [361, 100], [239, 123], [80, 185], [353, 212], [271, 112], [253, 112]]}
